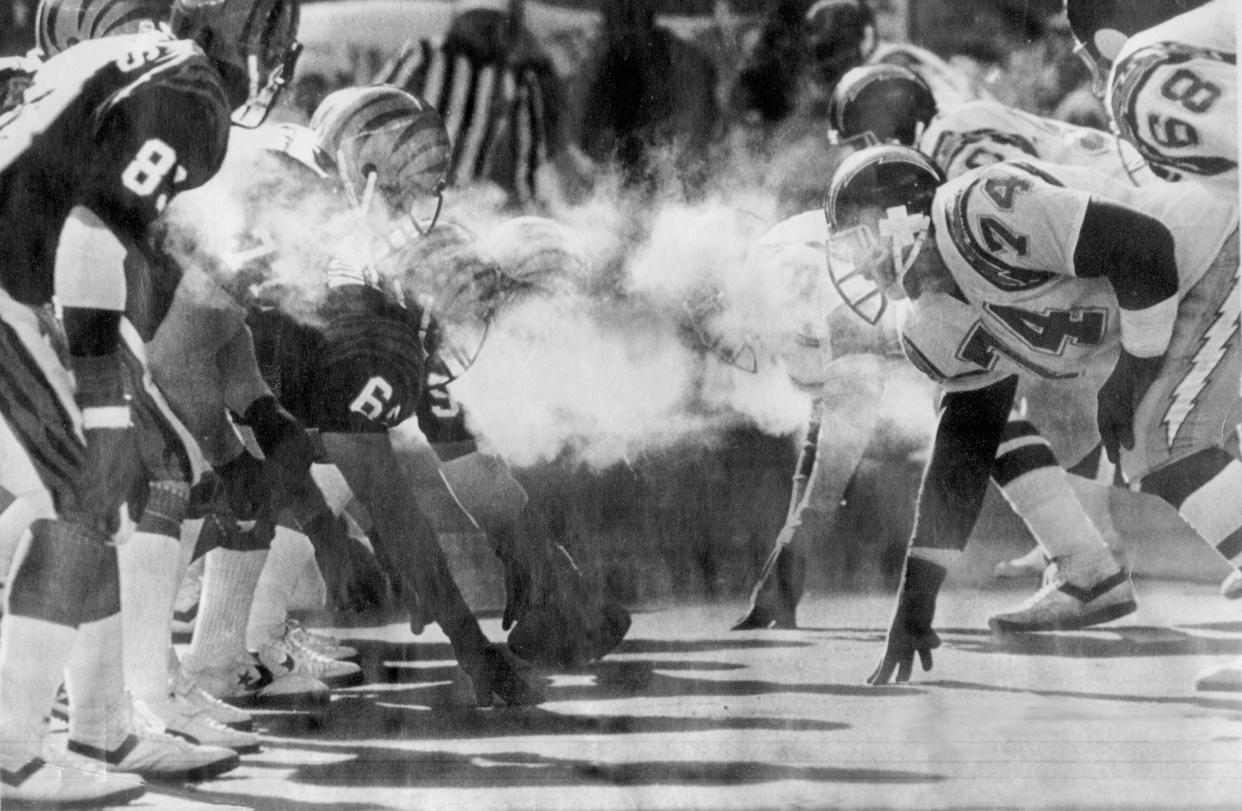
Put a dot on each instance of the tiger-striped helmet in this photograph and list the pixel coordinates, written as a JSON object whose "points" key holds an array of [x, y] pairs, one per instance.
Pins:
{"points": [[537, 253], [386, 140], [61, 24]]}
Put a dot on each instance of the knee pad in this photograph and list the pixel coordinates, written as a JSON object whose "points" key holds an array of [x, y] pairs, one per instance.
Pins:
{"points": [[67, 576]]}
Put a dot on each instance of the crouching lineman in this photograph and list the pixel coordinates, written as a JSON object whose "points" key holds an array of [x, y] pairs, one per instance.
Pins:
{"points": [[1146, 291], [360, 374], [93, 154]]}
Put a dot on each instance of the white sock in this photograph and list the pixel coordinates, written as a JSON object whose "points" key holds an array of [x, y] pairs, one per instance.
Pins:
{"points": [[150, 565], [33, 654], [229, 581], [270, 609], [1215, 512], [1044, 500], [310, 592], [95, 681]]}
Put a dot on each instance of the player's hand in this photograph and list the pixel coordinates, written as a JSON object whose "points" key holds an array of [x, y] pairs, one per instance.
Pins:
{"points": [[245, 485], [284, 443], [911, 632], [1118, 399], [905, 639]]}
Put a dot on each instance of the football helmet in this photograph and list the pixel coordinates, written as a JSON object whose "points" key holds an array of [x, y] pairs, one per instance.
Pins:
{"points": [[61, 24], [878, 208], [703, 309], [536, 253], [1101, 27], [253, 44], [881, 104], [457, 287], [837, 35], [386, 140]]}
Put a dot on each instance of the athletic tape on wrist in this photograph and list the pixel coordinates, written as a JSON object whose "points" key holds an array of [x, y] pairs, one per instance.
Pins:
{"points": [[1146, 333], [107, 417]]}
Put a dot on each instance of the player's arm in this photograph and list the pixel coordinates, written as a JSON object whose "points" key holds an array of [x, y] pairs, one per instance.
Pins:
{"points": [[950, 499], [1135, 253], [90, 286]]}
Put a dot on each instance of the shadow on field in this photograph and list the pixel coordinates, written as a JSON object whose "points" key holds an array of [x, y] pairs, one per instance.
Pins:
{"points": [[382, 767]]}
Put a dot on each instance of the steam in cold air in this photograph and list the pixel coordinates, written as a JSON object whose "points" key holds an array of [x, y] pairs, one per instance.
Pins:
{"points": [[629, 354]]}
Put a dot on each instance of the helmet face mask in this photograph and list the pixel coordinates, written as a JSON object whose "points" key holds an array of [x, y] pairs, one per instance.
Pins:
{"points": [[878, 210], [388, 145]]}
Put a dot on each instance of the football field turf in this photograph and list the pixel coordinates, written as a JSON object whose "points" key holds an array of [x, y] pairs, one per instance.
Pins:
{"points": [[688, 714]]}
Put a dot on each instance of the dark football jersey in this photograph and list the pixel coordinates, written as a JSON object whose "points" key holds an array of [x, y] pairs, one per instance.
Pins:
{"points": [[441, 418], [361, 369], [118, 125]]}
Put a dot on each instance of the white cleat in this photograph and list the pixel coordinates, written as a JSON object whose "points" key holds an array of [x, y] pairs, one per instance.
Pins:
{"points": [[1032, 564], [183, 720], [185, 688], [1082, 590], [250, 682], [1231, 586], [298, 637], [282, 656], [62, 780], [139, 745], [1228, 678]]}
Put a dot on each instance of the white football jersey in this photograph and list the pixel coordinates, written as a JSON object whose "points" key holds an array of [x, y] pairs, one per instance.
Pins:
{"points": [[1008, 234], [1173, 93], [977, 133]]}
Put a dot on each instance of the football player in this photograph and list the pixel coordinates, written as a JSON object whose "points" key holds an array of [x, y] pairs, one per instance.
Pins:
{"points": [[361, 373], [100, 143], [1167, 71], [1141, 304]]}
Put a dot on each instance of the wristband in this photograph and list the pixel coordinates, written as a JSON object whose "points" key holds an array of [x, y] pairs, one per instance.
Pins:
{"points": [[1146, 333]]}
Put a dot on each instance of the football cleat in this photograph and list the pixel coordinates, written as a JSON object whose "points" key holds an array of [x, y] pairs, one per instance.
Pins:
{"points": [[1231, 586], [281, 656], [138, 744], [183, 720], [185, 688], [497, 677], [57, 779], [248, 681], [1081, 590], [299, 638], [1032, 564], [774, 600], [1228, 678]]}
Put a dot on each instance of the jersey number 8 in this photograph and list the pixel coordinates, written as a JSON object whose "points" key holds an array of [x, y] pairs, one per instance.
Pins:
{"points": [[145, 173]]}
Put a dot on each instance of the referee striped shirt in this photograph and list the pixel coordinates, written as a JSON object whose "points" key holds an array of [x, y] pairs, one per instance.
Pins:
{"points": [[497, 114]]}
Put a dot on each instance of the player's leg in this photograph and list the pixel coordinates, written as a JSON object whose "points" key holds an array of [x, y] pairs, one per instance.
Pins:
{"points": [[1184, 425], [62, 574], [1088, 585], [847, 415]]}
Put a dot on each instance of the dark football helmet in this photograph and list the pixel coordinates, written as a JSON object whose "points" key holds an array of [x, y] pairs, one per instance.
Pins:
{"points": [[878, 208], [881, 104], [61, 24], [837, 35], [387, 141], [252, 43], [1101, 27]]}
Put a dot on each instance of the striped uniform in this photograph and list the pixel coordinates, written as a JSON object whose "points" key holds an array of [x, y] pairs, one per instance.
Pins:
{"points": [[1008, 235], [362, 371], [975, 133], [1173, 93], [497, 114], [117, 125]]}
